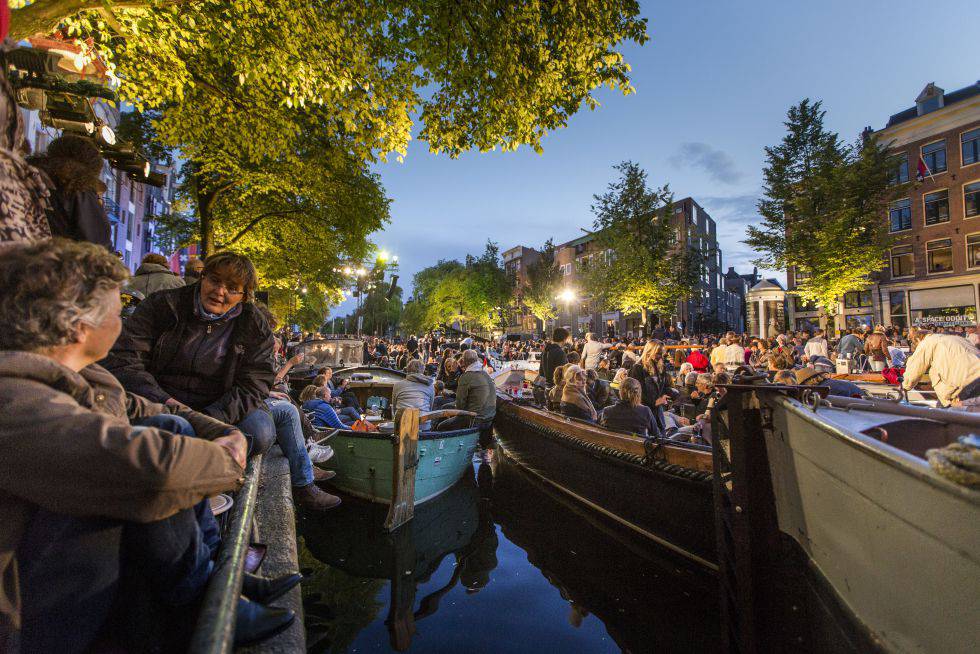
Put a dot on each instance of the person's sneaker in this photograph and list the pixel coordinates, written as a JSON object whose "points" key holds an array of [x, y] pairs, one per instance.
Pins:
{"points": [[256, 622], [320, 453], [323, 475], [311, 497]]}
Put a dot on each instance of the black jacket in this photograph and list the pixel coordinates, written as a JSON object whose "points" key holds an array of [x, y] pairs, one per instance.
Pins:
{"points": [[552, 357], [80, 217], [653, 387], [625, 417], [224, 369]]}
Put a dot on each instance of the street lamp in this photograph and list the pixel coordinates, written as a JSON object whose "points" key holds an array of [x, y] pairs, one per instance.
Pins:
{"points": [[567, 296]]}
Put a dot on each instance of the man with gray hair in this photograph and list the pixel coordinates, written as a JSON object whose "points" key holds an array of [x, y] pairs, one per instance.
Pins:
{"points": [[415, 391]]}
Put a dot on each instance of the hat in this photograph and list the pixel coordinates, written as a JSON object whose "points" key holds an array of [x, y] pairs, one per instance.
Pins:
{"points": [[809, 376]]}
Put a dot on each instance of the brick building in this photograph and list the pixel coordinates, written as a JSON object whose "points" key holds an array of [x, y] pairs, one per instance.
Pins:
{"points": [[933, 269]]}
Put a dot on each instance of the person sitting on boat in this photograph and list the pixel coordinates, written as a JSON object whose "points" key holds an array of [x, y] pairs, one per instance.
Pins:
{"points": [[621, 374], [654, 379], [113, 487], [682, 372], [316, 400], [953, 365], [441, 398], [629, 414], [811, 377], [343, 400], [604, 371], [475, 392], [450, 371], [597, 389], [554, 393], [413, 392], [204, 346], [575, 402]]}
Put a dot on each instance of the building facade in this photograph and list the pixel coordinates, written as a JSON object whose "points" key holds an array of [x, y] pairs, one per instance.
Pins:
{"points": [[932, 272], [516, 261], [712, 307]]}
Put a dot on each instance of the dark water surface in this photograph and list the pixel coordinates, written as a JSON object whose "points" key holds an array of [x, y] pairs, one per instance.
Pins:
{"points": [[498, 563]]}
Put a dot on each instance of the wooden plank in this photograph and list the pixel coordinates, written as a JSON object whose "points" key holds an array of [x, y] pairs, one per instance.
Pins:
{"points": [[404, 464]]}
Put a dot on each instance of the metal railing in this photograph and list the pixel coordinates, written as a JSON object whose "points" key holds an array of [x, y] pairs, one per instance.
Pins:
{"points": [[215, 631]]}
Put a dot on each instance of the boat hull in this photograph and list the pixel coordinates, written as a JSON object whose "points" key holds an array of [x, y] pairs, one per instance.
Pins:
{"points": [[669, 504], [890, 547], [364, 463]]}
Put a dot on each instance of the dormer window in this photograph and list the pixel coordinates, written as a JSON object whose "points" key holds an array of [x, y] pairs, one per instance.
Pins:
{"points": [[929, 100]]}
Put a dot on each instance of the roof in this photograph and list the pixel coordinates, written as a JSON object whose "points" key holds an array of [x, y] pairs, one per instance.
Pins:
{"points": [[948, 99], [767, 284]]}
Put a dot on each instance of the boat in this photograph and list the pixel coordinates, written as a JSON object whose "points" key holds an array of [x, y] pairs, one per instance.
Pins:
{"points": [[835, 533], [874, 384], [330, 352], [364, 460], [354, 540], [658, 489]]}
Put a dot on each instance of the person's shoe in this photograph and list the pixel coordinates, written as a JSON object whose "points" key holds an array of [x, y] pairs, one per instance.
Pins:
{"points": [[311, 497], [323, 475], [320, 453], [263, 590], [255, 622]]}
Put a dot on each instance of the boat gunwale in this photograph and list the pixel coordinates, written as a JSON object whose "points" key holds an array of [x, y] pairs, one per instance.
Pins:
{"points": [[423, 435], [880, 450]]}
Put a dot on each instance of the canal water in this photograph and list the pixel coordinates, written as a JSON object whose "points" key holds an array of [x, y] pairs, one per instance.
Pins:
{"points": [[499, 563]]}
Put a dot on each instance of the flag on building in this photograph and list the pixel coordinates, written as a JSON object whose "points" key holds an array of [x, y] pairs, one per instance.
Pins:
{"points": [[922, 170]]}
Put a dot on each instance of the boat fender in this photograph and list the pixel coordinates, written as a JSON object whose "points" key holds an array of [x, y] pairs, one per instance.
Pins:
{"points": [[958, 462]]}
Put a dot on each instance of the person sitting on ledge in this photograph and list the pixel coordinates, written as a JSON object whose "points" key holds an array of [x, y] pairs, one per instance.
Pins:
{"points": [[110, 490], [205, 346]]}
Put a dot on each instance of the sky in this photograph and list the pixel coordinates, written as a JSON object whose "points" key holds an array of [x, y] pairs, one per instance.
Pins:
{"points": [[713, 85]]}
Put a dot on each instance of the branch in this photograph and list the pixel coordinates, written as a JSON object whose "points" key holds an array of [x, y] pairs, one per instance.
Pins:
{"points": [[255, 221], [44, 16]]}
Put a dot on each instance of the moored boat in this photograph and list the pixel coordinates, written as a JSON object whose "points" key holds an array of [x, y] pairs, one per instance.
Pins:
{"points": [[660, 490], [835, 534], [365, 460]]}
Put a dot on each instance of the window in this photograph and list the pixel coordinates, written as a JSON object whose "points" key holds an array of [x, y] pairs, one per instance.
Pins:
{"points": [[970, 146], [900, 216], [934, 155], [857, 299], [902, 265], [800, 305], [939, 255], [936, 207], [901, 173], [973, 251], [971, 199], [898, 311], [930, 104], [800, 275]]}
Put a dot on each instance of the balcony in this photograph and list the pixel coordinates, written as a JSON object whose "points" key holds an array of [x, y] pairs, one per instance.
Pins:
{"points": [[111, 210]]}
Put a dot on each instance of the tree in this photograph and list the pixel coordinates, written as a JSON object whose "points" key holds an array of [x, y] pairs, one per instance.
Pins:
{"points": [[823, 208], [641, 264], [486, 289], [542, 278]]}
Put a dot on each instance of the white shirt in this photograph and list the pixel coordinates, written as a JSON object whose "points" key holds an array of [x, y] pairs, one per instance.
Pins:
{"points": [[592, 351]]}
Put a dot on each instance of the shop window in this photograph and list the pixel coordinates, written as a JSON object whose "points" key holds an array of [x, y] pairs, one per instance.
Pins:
{"points": [[900, 216], [902, 264], [939, 255], [898, 310], [809, 325], [858, 321], [857, 299], [900, 174], [970, 146], [971, 199], [936, 207], [934, 156], [973, 251]]}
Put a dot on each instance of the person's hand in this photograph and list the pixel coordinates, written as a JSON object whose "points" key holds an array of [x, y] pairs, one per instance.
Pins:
{"points": [[175, 403], [278, 395], [662, 400], [298, 359], [236, 445], [343, 383]]}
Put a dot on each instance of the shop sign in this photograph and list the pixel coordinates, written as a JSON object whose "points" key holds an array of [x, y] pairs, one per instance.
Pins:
{"points": [[946, 316]]}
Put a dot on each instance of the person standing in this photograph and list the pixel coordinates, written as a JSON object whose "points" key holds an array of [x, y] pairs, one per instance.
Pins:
{"points": [[192, 271], [817, 346], [554, 355], [876, 349], [592, 351], [153, 275], [654, 380]]}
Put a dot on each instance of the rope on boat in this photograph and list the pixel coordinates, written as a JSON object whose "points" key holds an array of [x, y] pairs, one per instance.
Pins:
{"points": [[652, 461], [957, 462]]}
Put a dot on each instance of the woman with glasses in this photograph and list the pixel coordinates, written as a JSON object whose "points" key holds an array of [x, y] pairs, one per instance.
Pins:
{"points": [[205, 346]]}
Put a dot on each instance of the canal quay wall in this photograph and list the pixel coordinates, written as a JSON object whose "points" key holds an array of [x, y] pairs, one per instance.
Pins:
{"points": [[275, 522]]}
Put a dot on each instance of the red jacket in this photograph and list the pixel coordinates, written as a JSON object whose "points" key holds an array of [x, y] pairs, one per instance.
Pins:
{"points": [[697, 359]]}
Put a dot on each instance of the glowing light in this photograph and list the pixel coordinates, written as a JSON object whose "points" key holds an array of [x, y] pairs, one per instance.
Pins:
{"points": [[304, 289], [383, 256], [347, 270], [361, 272], [568, 295], [107, 135]]}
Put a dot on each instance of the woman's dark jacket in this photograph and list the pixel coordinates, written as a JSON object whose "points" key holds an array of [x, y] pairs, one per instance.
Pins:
{"points": [[80, 217], [625, 417], [599, 393], [654, 386], [223, 368]]}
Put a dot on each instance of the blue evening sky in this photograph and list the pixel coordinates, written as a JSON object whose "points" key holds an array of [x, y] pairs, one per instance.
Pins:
{"points": [[713, 84]]}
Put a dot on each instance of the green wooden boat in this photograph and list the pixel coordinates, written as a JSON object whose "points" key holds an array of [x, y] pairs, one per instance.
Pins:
{"points": [[364, 461]]}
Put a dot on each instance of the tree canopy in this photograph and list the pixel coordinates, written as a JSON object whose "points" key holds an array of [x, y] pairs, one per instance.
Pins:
{"points": [[541, 285], [824, 207], [641, 265]]}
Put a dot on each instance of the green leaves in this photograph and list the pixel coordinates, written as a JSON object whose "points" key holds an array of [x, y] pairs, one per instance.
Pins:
{"points": [[824, 208]]}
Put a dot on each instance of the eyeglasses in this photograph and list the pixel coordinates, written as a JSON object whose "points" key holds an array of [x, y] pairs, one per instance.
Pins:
{"points": [[213, 280]]}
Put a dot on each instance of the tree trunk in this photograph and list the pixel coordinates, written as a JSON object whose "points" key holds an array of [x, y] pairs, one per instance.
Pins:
{"points": [[206, 227]]}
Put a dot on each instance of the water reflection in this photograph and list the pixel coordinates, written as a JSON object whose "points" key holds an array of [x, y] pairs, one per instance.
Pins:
{"points": [[496, 564]]}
